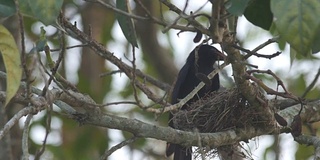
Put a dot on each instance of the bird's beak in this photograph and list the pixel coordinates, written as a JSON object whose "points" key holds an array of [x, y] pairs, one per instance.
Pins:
{"points": [[221, 56]]}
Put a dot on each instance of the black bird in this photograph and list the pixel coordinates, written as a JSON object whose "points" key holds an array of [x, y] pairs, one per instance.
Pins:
{"points": [[195, 70]]}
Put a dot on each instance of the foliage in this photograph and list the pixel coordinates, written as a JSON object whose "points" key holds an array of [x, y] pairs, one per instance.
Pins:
{"points": [[11, 58], [300, 26], [126, 23]]}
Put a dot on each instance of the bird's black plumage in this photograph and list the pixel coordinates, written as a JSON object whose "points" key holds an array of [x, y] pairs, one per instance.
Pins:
{"points": [[199, 62]]}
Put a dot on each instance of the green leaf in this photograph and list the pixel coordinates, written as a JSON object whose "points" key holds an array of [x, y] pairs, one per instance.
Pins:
{"points": [[297, 21], [7, 8], [258, 13], [236, 7], [11, 58], [25, 9], [316, 43], [126, 23], [46, 11], [294, 56], [281, 42]]}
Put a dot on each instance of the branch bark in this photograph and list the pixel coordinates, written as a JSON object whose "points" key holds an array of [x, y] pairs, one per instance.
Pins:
{"points": [[93, 116]]}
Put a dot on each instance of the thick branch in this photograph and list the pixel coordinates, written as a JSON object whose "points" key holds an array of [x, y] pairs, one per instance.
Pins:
{"points": [[239, 72], [141, 129], [250, 92], [309, 114], [92, 116], [310, 140]]}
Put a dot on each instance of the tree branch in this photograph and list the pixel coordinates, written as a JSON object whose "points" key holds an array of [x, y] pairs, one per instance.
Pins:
{"points": [[150, 18], [142, 129], [312, 84], [14, 120], [239, 72], [310, 140], [311, 113], [101, 51], [92, 116], [25, 138], [107, 153], [190, 19]]}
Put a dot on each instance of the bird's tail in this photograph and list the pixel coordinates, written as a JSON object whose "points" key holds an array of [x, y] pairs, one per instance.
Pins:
{"points": [[180, 152]]}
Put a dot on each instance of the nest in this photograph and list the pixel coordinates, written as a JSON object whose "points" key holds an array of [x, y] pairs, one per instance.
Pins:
{"points": [[219, 111]]}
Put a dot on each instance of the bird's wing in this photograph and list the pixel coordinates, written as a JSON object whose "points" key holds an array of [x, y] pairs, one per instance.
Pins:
{"points": [[180, 80]]}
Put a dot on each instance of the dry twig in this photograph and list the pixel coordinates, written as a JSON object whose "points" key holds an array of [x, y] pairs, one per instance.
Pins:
{"points": [[284, 94], [312, 84], [107, 153]]}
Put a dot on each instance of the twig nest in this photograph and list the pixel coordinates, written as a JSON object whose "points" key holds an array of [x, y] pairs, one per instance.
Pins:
{"points": [[219, 111]]}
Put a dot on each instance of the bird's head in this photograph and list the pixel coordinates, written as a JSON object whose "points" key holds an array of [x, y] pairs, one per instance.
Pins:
{"points": [[207, 55]]}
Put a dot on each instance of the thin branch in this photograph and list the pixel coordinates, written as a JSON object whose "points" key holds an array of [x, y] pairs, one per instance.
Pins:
{"points": [[70, 47], [164, 86], [144, 8], [177, 19], [248, 64], [15, 119], [133, 16], [54, 65], [185, 16], [121, 102], [115, 9], [269, 41], [25, 138], [284, 94], [101, 51], [279, 81], [61, 54], [312, 84], [194, 91], [161, 20], [23, 50], [190, 19], [133, 80], [110, 73], [271, 91], [44, 143], [60, 98], [49, 99], [77, 99], [254, 51], [56, 77], [107, 153], [251, 53]]}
